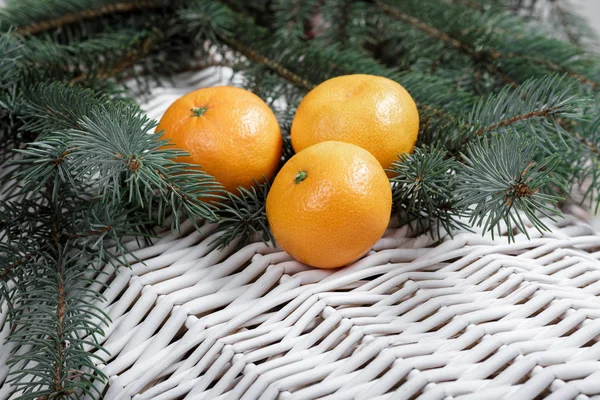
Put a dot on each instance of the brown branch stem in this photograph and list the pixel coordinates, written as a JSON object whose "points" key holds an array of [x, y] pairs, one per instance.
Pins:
{"points": [[8, 269], [96, 232], [536, 114], [444, 37], [466, 49], [129, 60], [564, 23], [517, 118], [60, 329], [83, 15], [593, 148], [274, 66], [553, 66], [61, 304]]}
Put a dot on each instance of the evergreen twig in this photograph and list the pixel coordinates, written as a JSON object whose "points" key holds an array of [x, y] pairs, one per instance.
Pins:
{"points": [[270, 64], [86, 14], [444, 37], [502, 179], [490, 56], [537, 100], [424, 189], [128, 60], [243, 216], [8, 269]]}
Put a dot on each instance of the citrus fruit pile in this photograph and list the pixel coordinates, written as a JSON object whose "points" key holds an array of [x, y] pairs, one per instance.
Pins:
{"points": [[331, 202]]}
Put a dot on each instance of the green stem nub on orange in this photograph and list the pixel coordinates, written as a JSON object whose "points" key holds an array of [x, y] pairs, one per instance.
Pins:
{"points": [[300, 176], [198, 111]]}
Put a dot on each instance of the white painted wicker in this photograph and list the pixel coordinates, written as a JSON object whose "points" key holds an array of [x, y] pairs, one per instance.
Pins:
{"points": [[463, 318]]}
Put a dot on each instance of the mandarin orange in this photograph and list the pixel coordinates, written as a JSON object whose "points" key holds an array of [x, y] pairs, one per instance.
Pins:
{"points": [[369, 111], [329, 204], [230, 132]]}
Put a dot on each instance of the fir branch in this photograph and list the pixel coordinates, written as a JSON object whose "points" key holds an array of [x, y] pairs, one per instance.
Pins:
{"points": [[319, 61], [223, 25], [204, 18], [344, 21], [52, 313], [561, 18], [9, 268], [536, 50], [55, 329], [9, 55], [553, 66], [55, 106], [116, 146], [537, 98], [494, 47], [129, 59], [476, 56], [428, 29], [40, 161], [500, 177], [10, 133], [92, 140], [94, 232], [14, 14], [94, 223], [97, 57], [272, 65], [57, 384], [544, 112], [292, 16], [584, 178], [243, 216], [51, 309], [424, 191], [575, 27], [533, 104]]}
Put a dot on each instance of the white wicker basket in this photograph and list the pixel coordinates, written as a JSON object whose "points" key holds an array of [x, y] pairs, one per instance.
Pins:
{"points": [[467, 318]]}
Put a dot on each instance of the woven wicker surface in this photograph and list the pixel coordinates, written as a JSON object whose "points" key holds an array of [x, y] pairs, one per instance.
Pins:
{"points": [[462, 318], [469, 318]]}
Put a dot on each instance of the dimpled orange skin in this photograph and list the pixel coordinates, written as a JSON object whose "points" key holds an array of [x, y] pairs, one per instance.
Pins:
{"points": [[235, 140], [370, 111], [338, 212]]}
